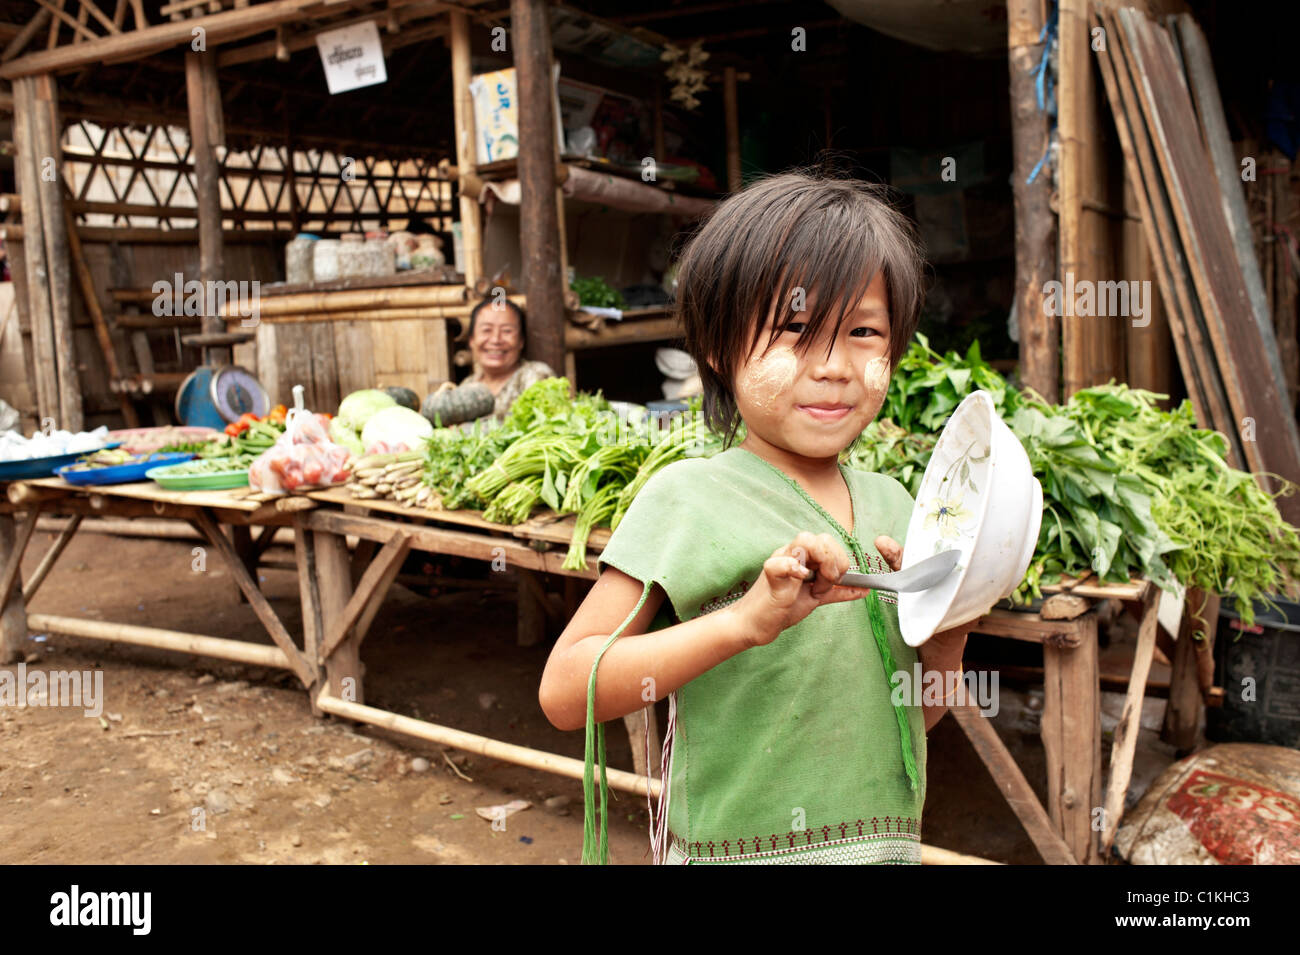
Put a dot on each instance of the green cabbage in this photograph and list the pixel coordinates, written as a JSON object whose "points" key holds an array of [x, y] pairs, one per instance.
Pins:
{"points": [[360, 406]]}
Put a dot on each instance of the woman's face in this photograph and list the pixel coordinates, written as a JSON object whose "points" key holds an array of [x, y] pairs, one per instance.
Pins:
{"points": [[815, 403], [496, 343]]}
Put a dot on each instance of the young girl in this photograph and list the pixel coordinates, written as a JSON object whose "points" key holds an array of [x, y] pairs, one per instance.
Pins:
{"points": [[798, 297]]}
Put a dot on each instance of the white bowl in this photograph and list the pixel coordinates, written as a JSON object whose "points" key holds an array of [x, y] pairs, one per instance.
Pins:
{"points": [[979, 496]]}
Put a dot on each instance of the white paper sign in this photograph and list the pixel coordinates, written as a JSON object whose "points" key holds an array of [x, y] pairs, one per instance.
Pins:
{"points": [[352, 57]]}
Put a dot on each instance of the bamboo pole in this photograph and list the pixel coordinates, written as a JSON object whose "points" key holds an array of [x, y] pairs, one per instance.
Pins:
{"points": [[413, 297], [38, 298], [205, 109], [482, 745], [49, 133], [88, 295], [380, 314], [466, 147], [1040, 333], [220, 647], [222, 28]]}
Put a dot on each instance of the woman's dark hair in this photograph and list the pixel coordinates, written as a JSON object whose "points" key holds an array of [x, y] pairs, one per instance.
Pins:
{"points": [[797, 230], [489, 303]]}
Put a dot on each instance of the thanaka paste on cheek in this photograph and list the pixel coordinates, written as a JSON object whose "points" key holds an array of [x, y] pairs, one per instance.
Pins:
{"points": [[875, 377], [764, 381]]}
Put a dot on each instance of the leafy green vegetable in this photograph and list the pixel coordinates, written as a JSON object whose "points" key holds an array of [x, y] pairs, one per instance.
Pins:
{"points": [[596, 292], [1128, 488]]}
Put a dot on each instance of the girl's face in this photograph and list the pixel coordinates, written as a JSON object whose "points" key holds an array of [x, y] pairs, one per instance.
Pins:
{"points": [[815, 403]]}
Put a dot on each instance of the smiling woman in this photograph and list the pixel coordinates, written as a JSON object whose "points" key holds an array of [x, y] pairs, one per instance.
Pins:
{"points": [[496, 340]]}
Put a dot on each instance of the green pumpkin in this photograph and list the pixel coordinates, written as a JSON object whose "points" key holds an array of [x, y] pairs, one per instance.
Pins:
{"points": [[455, 405], [404, 397]]}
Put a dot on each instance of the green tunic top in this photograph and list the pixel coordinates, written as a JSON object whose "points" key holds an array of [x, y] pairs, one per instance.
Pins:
{"points": [[789, 752]]}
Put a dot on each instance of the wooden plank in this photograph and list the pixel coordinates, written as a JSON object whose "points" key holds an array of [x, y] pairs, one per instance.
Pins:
{"points": [[1199, 69], [1199, 371], [205, 525], [369, 593], [1124, 744], [437, 275], [1071, 732], [150, 491], [1015, 788], [354, 356], [1198, 208], [439, 540], [1032, 628]]}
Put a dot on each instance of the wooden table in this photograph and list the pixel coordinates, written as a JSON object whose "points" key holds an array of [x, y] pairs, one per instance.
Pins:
{"points": [[1079, 824], [206, 511], [341, 592]]}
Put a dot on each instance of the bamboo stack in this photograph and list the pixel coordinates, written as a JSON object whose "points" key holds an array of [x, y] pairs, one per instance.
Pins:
{"points": [[37, 130]]}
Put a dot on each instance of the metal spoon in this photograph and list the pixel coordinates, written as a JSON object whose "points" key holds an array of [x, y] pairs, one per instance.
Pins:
{"points": [[920, 576]]}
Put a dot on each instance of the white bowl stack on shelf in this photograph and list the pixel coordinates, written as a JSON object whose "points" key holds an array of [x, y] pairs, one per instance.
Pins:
{"points": [[978, 496]]}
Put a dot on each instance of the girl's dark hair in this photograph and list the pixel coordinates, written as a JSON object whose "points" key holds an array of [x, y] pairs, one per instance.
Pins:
{"points": [[799, 229], [487, 303]]}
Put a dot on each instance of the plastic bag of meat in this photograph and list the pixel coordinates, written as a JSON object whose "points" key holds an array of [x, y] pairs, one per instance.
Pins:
{"points": [[304, 458]]}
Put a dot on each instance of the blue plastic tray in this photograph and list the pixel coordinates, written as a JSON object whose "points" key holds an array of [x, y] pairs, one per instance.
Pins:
{"points": [[42, 467], [123, 473]]}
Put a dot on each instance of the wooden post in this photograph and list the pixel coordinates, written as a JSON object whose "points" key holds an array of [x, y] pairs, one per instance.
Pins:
{"points": [[13, 613], [1040, 333], [731, 113], [1092, 346], [38, 297], [49, 139], [1186, 703], [1071, 730], [539, 225], [204, 101], [471, 232], [343, 676], [531, 614]]}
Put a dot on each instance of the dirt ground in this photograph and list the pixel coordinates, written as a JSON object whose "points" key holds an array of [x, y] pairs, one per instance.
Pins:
{"points": [[199, 761]]}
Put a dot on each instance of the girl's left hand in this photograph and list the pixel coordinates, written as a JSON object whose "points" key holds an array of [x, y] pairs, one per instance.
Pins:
{"points": [[892, 551]]}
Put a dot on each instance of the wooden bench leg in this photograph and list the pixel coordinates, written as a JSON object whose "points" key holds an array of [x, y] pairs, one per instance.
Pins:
{"points": [[1183, 712], [13, 613], [343, 670], [532, 612], [642, 725], [1071, 730]]}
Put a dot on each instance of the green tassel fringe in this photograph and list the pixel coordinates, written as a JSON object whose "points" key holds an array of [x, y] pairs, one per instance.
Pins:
{"points": [[877, 617], [591, 854]]}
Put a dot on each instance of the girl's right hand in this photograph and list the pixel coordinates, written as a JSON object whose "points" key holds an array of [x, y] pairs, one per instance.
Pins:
{"points": [[781, 597]]}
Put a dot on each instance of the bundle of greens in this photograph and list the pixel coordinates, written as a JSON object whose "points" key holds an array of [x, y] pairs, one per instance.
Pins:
{"points": [[1128, 488]]}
